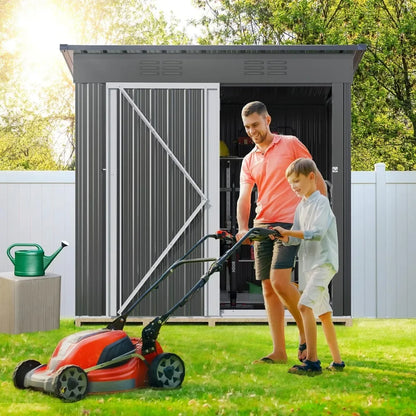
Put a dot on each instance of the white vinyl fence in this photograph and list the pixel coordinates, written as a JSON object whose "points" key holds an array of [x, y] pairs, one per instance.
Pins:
{"points": [[39, 207], [383, 244]]}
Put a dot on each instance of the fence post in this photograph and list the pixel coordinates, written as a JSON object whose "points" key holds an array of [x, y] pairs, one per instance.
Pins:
{"points": [[380, 238]]}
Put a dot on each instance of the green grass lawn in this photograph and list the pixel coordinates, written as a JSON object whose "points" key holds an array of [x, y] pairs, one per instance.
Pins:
{"points": [[379, 378]]}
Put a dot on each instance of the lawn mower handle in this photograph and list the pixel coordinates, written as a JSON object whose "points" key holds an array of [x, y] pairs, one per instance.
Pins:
{"points": [[119, 322], [151, 331]]}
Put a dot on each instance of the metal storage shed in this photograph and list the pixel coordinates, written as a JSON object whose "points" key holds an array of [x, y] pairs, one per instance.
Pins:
{"points": [[149, 177]]}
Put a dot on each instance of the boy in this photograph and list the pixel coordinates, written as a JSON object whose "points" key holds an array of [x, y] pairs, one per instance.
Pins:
{"points": [[314, 228]]}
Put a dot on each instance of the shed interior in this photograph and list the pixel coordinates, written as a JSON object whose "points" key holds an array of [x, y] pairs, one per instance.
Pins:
{"points": [[303, 111]]}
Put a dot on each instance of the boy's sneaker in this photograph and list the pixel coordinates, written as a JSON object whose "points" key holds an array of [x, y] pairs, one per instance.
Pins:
{"points": [[308, 368], [336, 366]]}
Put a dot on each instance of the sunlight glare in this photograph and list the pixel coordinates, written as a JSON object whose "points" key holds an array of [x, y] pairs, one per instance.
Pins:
{"points": [[41, 27]]}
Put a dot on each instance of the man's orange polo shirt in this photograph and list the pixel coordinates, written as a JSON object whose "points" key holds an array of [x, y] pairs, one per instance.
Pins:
{"points": [[276, 202]]}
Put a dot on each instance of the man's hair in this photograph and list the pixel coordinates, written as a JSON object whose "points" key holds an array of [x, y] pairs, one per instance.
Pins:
{"points": [[254, 107], [302, 166]]}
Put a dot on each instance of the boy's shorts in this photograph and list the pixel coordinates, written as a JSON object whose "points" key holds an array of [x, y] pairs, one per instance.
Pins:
{"points": [[316, 294], [272, 254]]}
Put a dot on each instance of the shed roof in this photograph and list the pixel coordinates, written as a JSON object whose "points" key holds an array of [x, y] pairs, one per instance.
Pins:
{"points": [[69, 51]]}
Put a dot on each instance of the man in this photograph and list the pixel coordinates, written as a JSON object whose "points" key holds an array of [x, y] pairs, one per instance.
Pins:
{"points": [[265, 167]]}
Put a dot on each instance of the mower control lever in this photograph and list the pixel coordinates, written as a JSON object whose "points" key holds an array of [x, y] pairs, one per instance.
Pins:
{"points": [[224, 235]]}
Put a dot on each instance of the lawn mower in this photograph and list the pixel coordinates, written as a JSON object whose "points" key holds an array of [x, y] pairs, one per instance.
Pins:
{"points": [[108, 360]]}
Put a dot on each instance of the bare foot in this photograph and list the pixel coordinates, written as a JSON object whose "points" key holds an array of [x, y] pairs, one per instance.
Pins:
{"points": [[302, 352]]}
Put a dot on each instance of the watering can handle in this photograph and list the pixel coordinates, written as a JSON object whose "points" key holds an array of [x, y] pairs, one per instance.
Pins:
{"points": [[21, 245]]}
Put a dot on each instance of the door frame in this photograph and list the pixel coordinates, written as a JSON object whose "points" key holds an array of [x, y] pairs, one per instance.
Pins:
{"points": [[210, 202]]}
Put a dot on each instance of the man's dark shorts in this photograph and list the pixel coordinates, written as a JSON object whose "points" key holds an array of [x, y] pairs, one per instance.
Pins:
{"points": [[272, 254]]}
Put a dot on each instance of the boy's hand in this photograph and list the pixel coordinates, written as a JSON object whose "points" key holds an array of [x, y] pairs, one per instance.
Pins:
{"points": [[283, 232]]}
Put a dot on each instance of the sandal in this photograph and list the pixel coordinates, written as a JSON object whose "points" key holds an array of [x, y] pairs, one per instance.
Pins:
{"points": [[268, 360], [264, 360], [336, 366], [309, 368], [301, 348]]}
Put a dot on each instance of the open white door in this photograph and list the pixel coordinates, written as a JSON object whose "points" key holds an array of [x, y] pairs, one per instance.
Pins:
{"points": [[162, 147]]}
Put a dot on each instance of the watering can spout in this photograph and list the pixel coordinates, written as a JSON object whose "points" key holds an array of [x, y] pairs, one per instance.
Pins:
{"points": [[47, 260]]}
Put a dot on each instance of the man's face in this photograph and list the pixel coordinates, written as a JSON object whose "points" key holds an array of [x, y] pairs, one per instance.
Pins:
{"points": [[257, 127]]}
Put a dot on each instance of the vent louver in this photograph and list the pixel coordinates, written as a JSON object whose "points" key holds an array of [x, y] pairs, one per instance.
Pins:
{"points": [[257, 67], [160, 68]]}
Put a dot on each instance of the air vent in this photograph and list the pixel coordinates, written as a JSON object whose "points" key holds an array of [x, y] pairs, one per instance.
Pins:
{"points": [[160, 68], [256, 67]]}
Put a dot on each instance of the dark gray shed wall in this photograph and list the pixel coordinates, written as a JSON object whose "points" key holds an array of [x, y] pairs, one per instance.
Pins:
{"points": [[298, 66], [90, 199]]}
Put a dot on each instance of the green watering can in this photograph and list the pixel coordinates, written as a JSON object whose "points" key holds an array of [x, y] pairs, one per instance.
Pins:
{"points": [[31, 262]]}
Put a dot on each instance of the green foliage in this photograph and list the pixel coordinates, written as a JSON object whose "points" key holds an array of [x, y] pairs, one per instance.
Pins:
{"points": [[276, 21], [25, 139], [30, 151], [122, 22], [384, 96], [384, 90], [378, 380], [37, 122]]}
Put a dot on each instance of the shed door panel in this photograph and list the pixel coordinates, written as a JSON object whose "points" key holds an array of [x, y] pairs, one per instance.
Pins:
{"points": [[157, 193]]}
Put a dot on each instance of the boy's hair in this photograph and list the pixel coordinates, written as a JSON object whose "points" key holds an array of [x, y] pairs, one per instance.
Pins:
{"points": [[254, 107], [302, 166]]}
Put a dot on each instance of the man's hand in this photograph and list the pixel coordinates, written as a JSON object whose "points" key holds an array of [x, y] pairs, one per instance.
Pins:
{"points": [[241, 234]]}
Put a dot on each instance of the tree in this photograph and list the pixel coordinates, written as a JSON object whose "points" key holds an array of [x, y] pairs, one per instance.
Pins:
{"points": [[24, 142], [385, 86], [383, 107], [274, 21], [37, 120], [121, 22]]}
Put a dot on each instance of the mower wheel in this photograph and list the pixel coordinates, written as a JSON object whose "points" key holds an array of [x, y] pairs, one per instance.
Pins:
{"points": [[70, 383], [166, 371], [21, 370]]}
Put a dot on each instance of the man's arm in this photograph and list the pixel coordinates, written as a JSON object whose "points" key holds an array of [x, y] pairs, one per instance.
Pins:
{"points": [[243, 209]]}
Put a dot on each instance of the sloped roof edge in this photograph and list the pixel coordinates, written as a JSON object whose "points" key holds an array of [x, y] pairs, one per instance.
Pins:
{"points": [[68, 51]]}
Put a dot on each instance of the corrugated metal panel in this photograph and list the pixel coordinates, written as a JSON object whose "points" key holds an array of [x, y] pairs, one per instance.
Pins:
{"points": [[155, 198], [90, 199]]}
